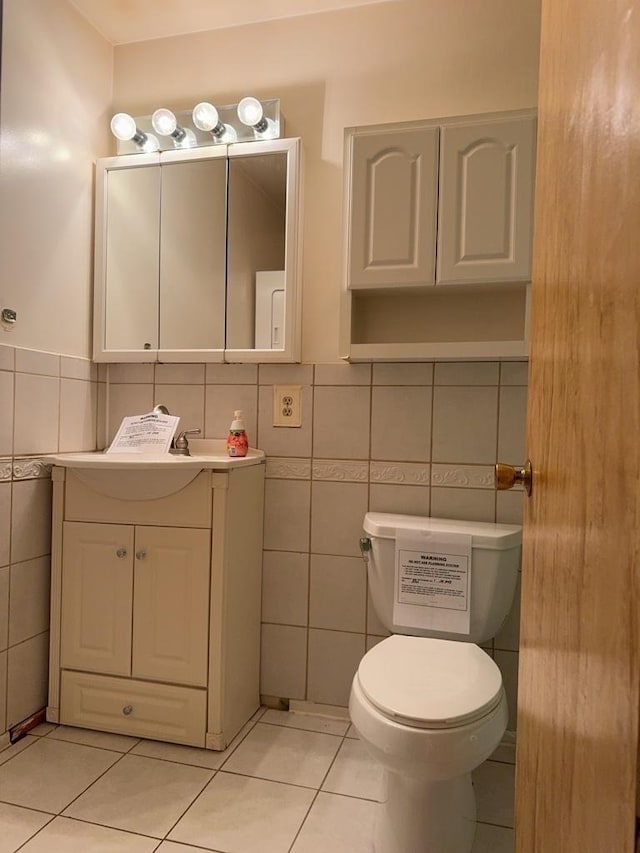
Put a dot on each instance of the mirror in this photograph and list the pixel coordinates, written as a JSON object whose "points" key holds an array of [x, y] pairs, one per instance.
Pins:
{"points": [[196, 255]]}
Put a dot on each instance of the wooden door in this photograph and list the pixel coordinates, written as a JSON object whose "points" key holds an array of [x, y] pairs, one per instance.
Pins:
{"points": [[392, 207], [485, 206], [171, 605], [97, 584], [578, 691]]}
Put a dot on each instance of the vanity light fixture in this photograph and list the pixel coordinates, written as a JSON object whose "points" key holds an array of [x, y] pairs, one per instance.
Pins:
{"points": [[165, 124], [206, 118], [124, 128], [251, 113]]}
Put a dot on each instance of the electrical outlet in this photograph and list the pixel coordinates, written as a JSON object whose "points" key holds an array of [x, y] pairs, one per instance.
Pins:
{"points": [[287, 408]]}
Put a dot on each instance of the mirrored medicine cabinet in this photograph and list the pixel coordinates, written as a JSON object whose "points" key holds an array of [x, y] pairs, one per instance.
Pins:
{"points": [[197, 254]]}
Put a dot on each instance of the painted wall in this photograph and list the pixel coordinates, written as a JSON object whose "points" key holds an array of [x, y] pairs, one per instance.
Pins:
{"points": [[395, 61], [54, 121]]}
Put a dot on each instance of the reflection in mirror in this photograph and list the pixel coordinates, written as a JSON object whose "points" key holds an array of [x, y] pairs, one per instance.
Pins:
{"points": [[256, 251], [132, 257], [193, 255]]}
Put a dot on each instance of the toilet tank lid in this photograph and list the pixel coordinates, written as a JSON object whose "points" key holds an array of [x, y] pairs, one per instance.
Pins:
{"points": [[499, 537]]}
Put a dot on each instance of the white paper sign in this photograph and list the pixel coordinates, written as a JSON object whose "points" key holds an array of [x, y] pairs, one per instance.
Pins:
{"points": [[150, 433], [432, 581]]}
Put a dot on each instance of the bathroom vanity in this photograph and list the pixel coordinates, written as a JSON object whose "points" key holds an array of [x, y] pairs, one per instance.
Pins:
{"points": [[155, 593]]}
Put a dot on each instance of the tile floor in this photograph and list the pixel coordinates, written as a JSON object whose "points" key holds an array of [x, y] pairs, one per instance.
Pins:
{"points": [[289, 783]]}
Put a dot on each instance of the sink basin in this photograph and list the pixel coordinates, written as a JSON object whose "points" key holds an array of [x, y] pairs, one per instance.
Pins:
{"points": [[206, 454], [148, 476]]}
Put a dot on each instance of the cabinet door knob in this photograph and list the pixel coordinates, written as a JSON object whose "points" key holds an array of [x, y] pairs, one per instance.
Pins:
{"points": [[140, 555], [128, 709], [121, 553]]}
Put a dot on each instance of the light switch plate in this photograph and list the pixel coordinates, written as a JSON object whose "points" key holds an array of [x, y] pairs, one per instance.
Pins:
{"points": [[287, 405]]}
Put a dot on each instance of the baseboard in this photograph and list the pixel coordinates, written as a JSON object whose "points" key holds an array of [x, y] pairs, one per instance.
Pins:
{"points": [[319, 710]]}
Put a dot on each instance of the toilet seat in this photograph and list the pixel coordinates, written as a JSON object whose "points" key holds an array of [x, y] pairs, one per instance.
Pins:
{"points": [[430, 683]]}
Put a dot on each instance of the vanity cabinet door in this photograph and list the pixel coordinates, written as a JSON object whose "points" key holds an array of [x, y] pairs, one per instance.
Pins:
{"points": [[171, 605], [392, 207], [97, 588], [485, 216]]}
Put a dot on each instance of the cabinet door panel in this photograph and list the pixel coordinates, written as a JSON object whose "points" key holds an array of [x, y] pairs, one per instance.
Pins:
{"points": [[132, 258], [97, 585], [171, 605], [393, 197], [486, 202]]}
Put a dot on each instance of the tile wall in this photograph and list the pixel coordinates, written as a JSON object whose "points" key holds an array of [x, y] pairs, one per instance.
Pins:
{"points": [[47, 403], [413, 438]]}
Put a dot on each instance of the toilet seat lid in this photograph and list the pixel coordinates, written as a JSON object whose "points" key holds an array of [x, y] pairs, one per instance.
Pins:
{"points": [[430, 683]]}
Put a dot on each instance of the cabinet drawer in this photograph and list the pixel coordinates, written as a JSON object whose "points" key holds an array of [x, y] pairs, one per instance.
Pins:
{"points": [[158, 711], [189, 507]]}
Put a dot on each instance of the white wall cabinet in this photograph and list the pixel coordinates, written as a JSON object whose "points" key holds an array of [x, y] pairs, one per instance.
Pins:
{"points": [[435, 203], [155, 624]]}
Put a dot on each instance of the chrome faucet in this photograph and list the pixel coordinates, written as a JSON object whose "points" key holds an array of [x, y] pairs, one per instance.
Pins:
{"points": [[181, 443]]}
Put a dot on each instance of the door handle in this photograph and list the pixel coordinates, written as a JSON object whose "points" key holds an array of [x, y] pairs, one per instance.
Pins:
{"points": [[508, 476]]}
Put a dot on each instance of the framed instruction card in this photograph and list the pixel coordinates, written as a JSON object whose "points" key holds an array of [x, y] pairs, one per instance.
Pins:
{"points": [[432, 581]]}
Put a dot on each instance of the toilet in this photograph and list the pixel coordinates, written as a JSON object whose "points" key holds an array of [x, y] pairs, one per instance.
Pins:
{"points": [[427, 702]]}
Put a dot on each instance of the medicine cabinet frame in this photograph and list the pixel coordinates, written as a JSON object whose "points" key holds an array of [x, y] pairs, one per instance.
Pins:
{"points": [[290, 351]]}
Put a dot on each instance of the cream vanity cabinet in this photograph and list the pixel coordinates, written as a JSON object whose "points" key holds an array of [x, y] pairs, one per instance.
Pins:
{"points": [[430, 205], [197, 254], [155, 612]]}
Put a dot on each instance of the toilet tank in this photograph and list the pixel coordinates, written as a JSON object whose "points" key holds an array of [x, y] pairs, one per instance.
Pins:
{"points": [[495, 560]]}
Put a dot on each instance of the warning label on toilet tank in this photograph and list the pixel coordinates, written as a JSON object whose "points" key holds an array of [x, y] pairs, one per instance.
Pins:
{"points": [[432, 579]]}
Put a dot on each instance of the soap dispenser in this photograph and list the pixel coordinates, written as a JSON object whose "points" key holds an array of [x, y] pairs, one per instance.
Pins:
{"points": [[237, 442]]}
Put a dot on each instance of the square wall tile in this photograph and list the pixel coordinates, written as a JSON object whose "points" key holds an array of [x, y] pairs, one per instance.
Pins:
{"points": [[185, 401], [401, 423], [510, 506], [6, 413], [231, 374], [333, 660], [30, 520], [5, 522], [3, 690], [33, 361], [78, 415], [137, 374], [286, 515], [285, 374], [374, 625], [179, 374], [283, 666], [407, 500], [285, 587], [342, 374], [341, 418], [101, 417], [37, 409], [7, 357], [337, 595], [514, 373], [338, 511], [465, 424], [419, 373], [126, 400], [463, 504], [221, 401], [466, 373], [27, 678], [512, 425], [78, 368], [29, 605], [284, 441]]}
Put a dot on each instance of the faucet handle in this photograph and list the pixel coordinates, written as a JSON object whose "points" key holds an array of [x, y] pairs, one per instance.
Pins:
{"points": [[181, 444]]}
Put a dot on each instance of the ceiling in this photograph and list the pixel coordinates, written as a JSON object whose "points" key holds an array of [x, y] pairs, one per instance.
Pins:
{"points": [[123, 21]]}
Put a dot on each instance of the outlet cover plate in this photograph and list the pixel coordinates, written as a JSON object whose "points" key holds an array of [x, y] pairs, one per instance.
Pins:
{"points": [[287, 405]]}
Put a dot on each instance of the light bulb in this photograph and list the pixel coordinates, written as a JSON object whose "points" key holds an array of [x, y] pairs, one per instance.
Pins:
{"points": [[164, 122], [205, 116], [250, 112], [123, 127]]}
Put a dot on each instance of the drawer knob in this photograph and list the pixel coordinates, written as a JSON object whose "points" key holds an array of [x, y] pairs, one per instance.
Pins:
{"points": [[140, 555], [128, 709], [121, 553]]}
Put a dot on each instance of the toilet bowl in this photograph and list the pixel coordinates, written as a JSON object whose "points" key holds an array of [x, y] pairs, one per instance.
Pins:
{"points": [[429, 705]]}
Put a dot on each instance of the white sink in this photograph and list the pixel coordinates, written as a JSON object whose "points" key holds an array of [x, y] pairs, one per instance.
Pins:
{"points": [[147, 476]]}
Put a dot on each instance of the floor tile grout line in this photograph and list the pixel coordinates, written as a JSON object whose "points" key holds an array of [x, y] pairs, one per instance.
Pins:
{"points": [[31, 837], [91, 784], [214, 773]]}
